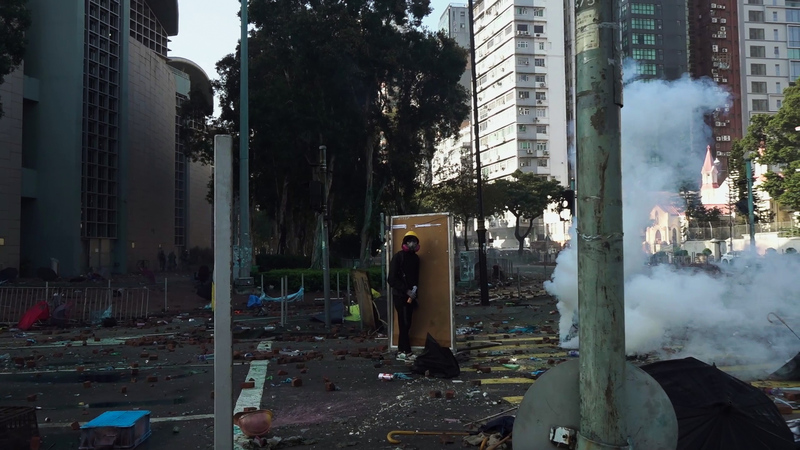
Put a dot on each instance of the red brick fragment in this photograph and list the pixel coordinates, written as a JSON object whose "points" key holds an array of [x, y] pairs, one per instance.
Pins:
{"points": [[248, 385], [435, 394], [297, 382], [450, 394]]}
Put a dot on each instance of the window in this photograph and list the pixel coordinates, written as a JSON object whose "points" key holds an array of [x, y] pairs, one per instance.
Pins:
{"points": [[541, 45], [794, 69], [509, 29], [758, 51], [758, 87], [758, 69], [539, 78], [541, 162], [523, 77], [541, 96], [644, 39], [522, 28], [522, 44], [793, 53], [644, 53], [522, 10], [775, 36], [523, 111], [541, 112], [541, 146], [794, 36], [778, 103], [522, 128], [760, 105], [524, 94], [778, 69], [643, 24], [778, 89], [793, 15], [755, 2], [541, 129], [777, 51], [647, 69], [774, 16], [538, 62], [642, 8], [755, 16], [538, 12], [523, 61], [525, 145], [538, 29], [757, 34]]}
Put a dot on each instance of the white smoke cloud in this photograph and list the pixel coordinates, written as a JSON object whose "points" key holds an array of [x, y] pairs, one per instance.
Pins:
{"points": [[664, 140]]}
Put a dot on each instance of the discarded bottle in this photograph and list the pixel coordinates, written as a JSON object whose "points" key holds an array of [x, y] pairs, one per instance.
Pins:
{"points": [[385, 376], [205, 357]]}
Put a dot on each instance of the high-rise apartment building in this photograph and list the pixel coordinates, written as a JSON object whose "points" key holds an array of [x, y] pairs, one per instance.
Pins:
{"points": [[90, 148], [714, 54], [654, 34], [769, 48], [520, 56], [454, 22]]}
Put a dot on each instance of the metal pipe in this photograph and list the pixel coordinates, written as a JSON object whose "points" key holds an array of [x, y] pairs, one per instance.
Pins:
{"points": [[483, 276], [599, 220], [223, 336], [326, 270], [383, 253], [748, 159], [245, 250]]}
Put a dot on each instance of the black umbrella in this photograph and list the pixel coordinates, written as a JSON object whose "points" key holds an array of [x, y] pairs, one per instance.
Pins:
{"points": [[717, 411]]}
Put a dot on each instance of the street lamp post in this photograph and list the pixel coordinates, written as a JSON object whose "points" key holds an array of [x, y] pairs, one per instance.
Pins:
{"points": [[748, 159], [245, 245]]}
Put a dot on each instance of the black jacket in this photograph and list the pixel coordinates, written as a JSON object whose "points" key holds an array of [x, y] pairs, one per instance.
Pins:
{"points": [[403, 272]]}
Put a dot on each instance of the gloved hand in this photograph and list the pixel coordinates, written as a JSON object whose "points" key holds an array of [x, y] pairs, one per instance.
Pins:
{"points": [[412, 294]]}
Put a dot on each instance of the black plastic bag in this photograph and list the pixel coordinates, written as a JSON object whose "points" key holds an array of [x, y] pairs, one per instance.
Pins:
{"points": [[437, 360]]}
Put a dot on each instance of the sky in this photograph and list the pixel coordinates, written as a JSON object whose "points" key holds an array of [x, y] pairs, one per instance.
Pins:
{"points": [[209, 30]]}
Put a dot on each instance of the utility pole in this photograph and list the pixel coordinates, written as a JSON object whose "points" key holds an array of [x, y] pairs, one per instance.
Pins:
{"points": [[751, 217], [326, 270], [245, 245], [481, 230], [223, 336], [603, 403]]}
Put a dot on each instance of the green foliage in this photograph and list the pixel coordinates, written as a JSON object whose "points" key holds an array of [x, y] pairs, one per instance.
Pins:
{"points": [[526, 196], [780, 142], [313, 278], [360, 77], [267, 262], [681, 253], [695, 210], [707, 252], [14, 20]]}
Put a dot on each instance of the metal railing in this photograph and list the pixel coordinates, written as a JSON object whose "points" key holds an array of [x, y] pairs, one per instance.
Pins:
{"points": [[86, 305], [723, 230]]}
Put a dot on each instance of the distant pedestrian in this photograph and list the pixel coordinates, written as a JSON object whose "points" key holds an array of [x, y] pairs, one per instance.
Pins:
{"points": [[162, 260], [404, 280], [172, 261]]}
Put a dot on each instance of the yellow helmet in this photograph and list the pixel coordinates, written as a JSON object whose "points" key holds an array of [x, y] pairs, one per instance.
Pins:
{"points": [[410, 234]]}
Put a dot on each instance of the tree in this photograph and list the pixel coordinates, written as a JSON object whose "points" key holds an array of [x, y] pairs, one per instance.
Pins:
{"points": [[359, 77], [695, 210], [527, 196], [14, 20], [755, 139]]}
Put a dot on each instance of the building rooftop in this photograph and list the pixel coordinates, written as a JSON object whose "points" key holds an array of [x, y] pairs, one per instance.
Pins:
{"points": [[197, 76], [167, 13]]}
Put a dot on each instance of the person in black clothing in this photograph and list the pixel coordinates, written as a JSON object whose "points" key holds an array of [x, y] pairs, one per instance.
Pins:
{"points": [[404, 279]]}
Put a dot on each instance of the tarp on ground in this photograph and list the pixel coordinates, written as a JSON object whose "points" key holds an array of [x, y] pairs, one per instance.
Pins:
{"points": [[39, 311], [255, 301], [789, 371], [337, 313], [717, 411], [438, 361]]}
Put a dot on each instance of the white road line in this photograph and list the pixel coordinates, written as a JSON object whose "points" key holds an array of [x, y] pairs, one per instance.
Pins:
{"points": [[152, 420], [251, 398]]}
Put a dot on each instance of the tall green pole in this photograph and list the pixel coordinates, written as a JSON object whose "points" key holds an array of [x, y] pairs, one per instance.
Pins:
{"points": [[751, 216], [245, 246], [599, 216]]}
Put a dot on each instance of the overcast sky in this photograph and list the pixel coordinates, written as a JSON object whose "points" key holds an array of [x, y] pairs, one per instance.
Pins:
{"points": [[209, 30]]}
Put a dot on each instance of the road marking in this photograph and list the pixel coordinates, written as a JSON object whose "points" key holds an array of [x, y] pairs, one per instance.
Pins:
{"points": [[506, 381], [251, 398], [514, 400], [152, 420]]}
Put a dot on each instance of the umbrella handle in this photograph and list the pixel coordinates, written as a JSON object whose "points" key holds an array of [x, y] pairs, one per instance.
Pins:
{"points": [[392, 440]]}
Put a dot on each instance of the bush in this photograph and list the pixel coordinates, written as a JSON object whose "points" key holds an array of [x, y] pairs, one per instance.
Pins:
{"points": [[681, 253], [313, 278], [707, 252], [266, 262]]}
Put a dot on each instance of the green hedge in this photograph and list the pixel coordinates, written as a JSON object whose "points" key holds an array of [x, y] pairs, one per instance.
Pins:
{"points": [[313, 278]]}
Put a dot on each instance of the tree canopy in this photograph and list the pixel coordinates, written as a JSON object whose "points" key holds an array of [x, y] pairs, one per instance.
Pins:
{"points": [[775, 142], [14, 20], [359, 77], [527, 196]]}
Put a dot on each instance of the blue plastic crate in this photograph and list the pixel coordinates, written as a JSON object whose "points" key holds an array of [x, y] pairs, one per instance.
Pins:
{"points": [[116, 430]]}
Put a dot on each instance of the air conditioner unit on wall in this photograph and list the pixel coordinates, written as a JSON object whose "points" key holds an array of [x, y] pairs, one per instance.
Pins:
{"points": [[723, 20], [724, 50]]}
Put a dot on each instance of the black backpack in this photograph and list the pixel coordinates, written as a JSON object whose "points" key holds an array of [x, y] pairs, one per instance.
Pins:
{"points": [[437, 360]]}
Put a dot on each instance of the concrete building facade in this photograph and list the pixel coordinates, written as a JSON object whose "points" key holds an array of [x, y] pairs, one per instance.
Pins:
{"points": [[654, 34], [98, 139]]}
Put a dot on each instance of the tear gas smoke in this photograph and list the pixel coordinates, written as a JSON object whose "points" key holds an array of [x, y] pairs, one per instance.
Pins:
{"points": [[722, 319]]}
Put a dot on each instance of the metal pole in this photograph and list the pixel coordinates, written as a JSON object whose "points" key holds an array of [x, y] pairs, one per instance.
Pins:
{"points": [[326, 270], [245, 250], [348, 289], [338, 291], [519, 286], [223, 338], [751, 217], [383, 253], [599, 213], [481, 231], [165, 294]]}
